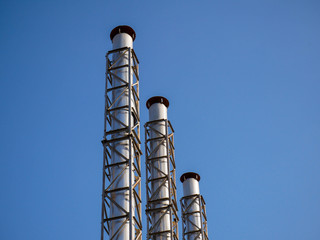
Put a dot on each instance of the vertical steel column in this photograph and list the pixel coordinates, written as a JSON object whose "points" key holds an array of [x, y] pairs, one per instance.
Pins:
{"points": [[121, 187], [161, 207], [193, 209]]}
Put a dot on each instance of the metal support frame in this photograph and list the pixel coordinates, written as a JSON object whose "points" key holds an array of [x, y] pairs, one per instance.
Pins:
{"points": [[166, 139], [128, 135], [201, 232]]}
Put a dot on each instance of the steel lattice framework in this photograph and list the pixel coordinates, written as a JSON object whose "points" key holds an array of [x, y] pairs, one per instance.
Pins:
{"points": [[128, 136], [190, 217], [152, 144]]}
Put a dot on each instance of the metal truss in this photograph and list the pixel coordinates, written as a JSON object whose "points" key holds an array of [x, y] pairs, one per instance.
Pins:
{"points": [[191, 216], [169, 203], [128, 136]]}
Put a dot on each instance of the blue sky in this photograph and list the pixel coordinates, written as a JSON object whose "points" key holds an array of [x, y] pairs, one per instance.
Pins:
{"points": [[242, 78]]}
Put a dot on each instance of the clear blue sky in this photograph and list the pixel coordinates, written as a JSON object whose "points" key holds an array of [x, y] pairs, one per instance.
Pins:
{"points": [[243, 81]]}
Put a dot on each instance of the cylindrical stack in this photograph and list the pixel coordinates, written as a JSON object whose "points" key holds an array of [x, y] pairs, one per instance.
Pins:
{"points": [[194, 220], [161, 206], [121, 148], [160, 168], [121, 203]]}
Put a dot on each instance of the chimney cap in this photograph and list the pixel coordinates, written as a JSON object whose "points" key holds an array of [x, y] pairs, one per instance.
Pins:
{"points": [[123, 29], [157, 99], [187, 175]]}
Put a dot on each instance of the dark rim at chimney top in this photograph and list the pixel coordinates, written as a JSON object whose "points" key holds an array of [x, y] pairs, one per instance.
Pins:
{"points": [[157, 99], [123, 29], [187, 175]]}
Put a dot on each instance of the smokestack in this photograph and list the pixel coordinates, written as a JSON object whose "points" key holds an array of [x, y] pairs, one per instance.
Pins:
{"points": [[121, 193], [193, 210], [161, 208]]}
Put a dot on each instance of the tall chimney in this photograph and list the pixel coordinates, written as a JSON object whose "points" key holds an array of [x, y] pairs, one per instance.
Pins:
{"points": [[193, 209], [161, 208], [121, 193]]}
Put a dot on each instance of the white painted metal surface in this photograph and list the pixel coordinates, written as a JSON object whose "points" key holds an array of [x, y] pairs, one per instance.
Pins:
{"points": [[193, 212], [122, 198], [161, 207], [158, 111]]}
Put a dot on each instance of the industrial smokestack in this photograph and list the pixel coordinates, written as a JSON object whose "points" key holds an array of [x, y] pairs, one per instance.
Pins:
{"points": [[121, 194], [161, 208], [193, 209]]}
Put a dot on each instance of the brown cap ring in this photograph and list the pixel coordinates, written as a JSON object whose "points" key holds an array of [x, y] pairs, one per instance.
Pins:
{"points": [[187, 175], [123, 29], [157, 99]]}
